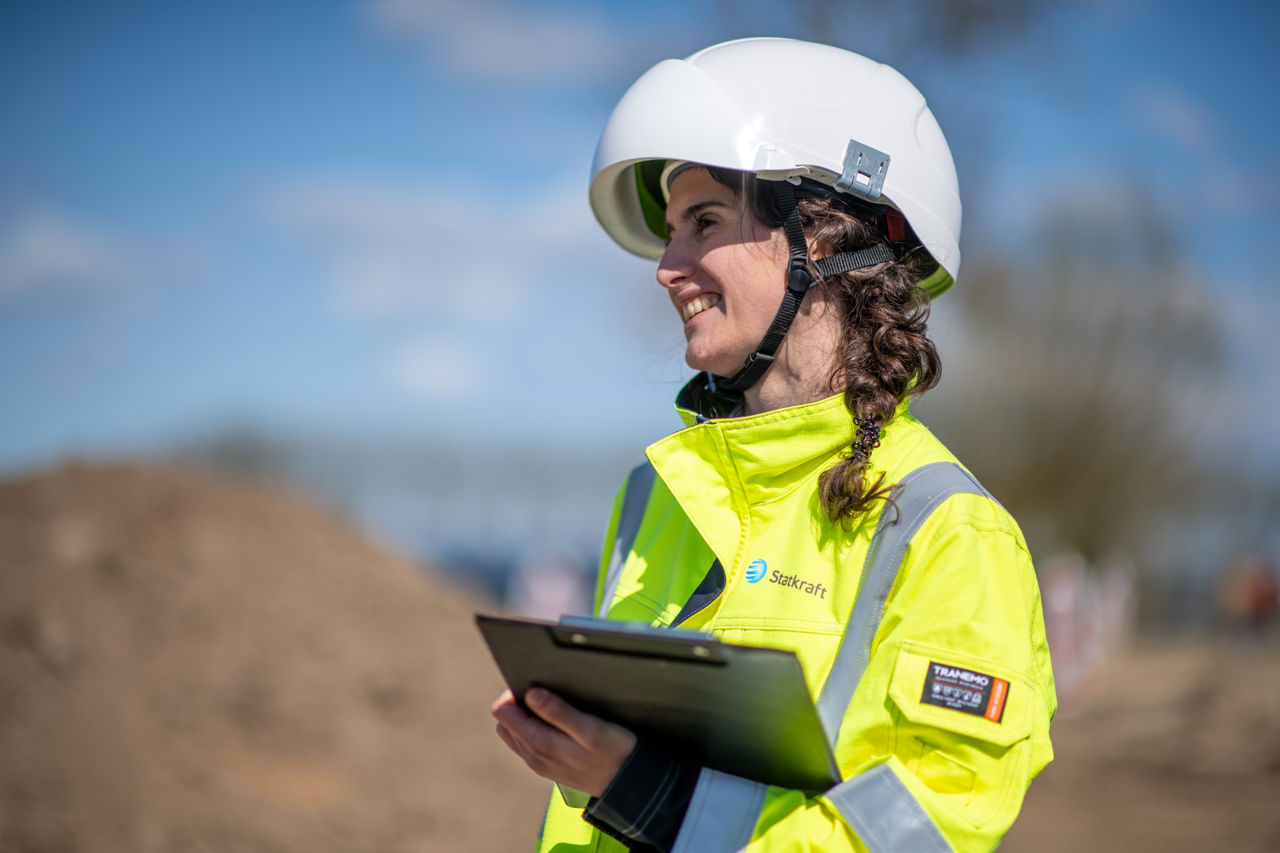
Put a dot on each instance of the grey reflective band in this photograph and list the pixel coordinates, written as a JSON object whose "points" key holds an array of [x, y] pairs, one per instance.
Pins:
{"points": [[634, 501], [916, 496], [722, 813], [885, 815]]}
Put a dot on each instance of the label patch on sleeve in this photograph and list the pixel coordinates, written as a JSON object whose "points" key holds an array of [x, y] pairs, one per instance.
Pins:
{"points": [[965, 690]]}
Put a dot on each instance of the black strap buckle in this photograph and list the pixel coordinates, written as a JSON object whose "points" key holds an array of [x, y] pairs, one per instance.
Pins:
{"points": [[798, 278]]}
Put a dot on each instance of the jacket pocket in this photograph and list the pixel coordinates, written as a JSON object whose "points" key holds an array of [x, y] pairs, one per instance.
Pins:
{"points": [[961, 726]]}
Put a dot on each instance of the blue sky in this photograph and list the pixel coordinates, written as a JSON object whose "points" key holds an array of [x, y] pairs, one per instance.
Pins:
{"points": [[370, 217]]}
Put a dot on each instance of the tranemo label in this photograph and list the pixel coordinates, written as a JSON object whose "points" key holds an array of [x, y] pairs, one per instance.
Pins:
{"points": [[965, 690]]}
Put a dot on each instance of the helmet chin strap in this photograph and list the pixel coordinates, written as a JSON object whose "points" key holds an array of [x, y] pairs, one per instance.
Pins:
{"points": [[799, 281]]}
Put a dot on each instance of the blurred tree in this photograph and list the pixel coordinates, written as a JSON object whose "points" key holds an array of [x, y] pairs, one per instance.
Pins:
{"points": [[1086, 380]]}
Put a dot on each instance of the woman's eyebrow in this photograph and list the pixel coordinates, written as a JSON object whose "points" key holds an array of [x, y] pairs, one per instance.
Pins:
{"points": [[691, 212]]}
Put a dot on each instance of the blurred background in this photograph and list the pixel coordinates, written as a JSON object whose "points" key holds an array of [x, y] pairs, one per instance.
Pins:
{"points": [[281, 280]]}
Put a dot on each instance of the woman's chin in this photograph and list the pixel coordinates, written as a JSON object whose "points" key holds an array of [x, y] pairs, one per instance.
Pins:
{"points": [[718, 366]]}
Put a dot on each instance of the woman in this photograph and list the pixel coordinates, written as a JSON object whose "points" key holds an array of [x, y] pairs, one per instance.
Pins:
{"points": [[803, 206]]}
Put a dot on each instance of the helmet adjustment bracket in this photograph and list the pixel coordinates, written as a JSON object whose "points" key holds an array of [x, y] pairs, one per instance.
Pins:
{"points": [[864, 171]]}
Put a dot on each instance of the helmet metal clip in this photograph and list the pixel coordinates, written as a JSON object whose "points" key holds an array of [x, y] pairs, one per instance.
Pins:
{"points": [[864, 171]]}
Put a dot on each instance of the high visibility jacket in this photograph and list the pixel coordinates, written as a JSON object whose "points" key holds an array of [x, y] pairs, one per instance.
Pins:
{"points": [[919, 629]]}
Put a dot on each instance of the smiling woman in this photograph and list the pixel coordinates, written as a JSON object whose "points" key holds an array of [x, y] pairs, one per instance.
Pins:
{"points": [[802, 206]]}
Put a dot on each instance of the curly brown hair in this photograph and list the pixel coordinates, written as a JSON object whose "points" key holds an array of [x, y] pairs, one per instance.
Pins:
{"points": [[885, 354]]}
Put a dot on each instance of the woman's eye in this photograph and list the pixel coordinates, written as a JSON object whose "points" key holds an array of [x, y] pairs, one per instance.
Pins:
{"points": [[702, 223]]}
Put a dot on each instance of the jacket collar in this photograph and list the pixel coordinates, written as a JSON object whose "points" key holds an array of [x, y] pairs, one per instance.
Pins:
{"points": [[720, 466]]}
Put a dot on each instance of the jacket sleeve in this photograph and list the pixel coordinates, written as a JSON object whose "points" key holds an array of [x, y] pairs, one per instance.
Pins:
{"points": [[923, 771], [645, 803]]}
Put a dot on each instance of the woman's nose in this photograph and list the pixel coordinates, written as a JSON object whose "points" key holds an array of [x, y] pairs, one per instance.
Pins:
{"points": [[675, 266]]}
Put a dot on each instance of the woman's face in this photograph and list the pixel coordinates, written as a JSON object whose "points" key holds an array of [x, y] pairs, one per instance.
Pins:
{"points": [[724, 272]]}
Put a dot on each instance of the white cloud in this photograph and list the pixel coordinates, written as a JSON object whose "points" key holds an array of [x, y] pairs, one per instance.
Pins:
{"points": [[440, 368], [474, 254], [42, 249], [1176, 116], [503, 41]]}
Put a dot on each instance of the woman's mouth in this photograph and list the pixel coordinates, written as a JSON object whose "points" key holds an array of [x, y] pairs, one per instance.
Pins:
{"points": [[697, 305]]}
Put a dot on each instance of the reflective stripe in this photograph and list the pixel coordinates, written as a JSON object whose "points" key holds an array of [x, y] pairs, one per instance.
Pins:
{"points": [[885, 815], [634, 501], [916, 496], [722, 814]]}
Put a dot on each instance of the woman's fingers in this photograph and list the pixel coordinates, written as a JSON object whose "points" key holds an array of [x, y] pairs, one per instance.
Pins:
{"points": [[599, 747], [504, 698], [584, 729], [551, 710], [513, 722], [542, 746], [509, 740], [560, 742]]}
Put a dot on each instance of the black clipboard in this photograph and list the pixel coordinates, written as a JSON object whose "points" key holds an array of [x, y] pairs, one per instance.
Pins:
{"points": [[744, 710]]}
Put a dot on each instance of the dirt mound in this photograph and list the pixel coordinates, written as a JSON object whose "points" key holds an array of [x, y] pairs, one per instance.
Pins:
{"points": [[188, 665], [1177, 748]]}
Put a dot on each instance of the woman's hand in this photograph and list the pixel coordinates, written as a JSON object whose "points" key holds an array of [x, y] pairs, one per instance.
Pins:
{"points": [[562, 743]]}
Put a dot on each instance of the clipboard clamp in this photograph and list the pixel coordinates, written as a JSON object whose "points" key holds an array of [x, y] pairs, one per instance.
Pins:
{"points": [[637, 638]]}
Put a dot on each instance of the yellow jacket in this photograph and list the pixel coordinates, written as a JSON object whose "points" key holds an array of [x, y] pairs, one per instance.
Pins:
{"points": [[919, 628]]}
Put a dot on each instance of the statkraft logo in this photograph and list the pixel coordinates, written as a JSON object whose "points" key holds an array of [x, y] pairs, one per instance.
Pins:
{"points": [[756, 571], [797, 582]]}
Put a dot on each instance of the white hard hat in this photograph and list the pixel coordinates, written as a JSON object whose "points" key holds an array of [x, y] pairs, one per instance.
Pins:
{"points": [[781, 108]]}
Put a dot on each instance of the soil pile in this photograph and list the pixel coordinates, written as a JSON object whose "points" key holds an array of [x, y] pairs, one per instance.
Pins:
{"points": [[1177, 748], [189, 665]]}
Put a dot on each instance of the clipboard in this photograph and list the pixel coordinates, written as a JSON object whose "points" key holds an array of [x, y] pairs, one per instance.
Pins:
{"points": [[744, 710]]}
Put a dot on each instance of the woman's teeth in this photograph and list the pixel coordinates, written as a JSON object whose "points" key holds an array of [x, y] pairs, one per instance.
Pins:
{"points": [[696, 306]]}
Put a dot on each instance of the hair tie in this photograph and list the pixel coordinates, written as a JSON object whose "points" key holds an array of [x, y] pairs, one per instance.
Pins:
{"points": [[867, 439]]}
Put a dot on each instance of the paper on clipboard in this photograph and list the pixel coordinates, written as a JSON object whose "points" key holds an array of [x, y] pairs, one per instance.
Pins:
{"points": [[744, 710]]}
